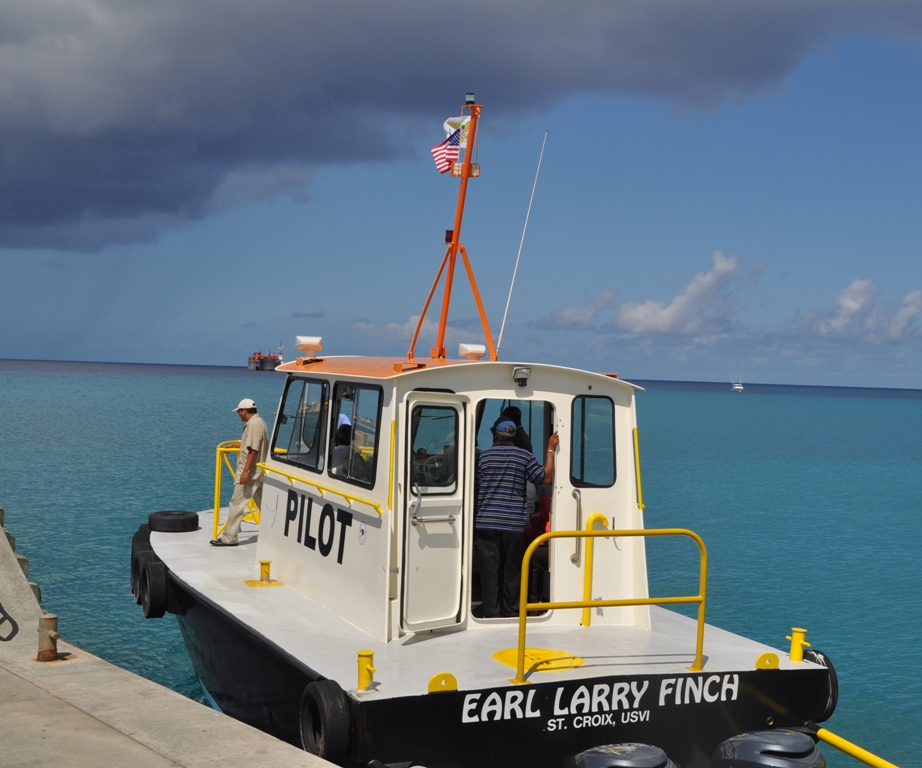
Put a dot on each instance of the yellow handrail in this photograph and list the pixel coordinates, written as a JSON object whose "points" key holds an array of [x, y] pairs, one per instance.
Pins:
{"points": [[228, 446], [640, 504], [595, 517], [322, 489], [525, 606], [852, 750]]}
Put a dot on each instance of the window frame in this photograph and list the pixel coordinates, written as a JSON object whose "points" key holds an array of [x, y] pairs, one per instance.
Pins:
{"points": [[578, 482], [323, 421], [369, 485], [458, 413]]}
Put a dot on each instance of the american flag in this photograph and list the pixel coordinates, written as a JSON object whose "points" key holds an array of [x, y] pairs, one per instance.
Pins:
{"points": [[447, 152]]}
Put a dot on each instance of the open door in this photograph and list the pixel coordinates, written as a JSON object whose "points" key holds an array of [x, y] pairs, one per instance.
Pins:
{"points": [[436, 468]]}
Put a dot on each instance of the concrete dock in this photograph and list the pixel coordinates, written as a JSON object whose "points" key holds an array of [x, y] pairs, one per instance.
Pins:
{"points": [[81, 711]]}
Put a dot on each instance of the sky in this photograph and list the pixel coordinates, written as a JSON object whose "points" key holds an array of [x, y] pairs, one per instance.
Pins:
{"points": [[728, 189]]}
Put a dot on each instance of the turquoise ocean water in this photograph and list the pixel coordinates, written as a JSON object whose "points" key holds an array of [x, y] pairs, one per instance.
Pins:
{"points": [[808, 499]]}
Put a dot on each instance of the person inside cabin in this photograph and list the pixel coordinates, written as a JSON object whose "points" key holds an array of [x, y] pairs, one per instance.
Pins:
{"points": [[514, 413], [503, 471], [248, 482], [342, 441]]}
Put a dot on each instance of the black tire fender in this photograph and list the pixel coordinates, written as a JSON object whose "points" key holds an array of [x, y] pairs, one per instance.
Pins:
{"points": [[154, 590], [138, 562], [173, 521], [326, 726], [139, 542], [832, 683]]}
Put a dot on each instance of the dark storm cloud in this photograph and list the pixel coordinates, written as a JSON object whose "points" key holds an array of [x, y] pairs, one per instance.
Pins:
{"points": [[121, 117]]}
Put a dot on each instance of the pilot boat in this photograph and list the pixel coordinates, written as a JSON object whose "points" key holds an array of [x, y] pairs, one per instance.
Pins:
{"points": [[347, 620]]}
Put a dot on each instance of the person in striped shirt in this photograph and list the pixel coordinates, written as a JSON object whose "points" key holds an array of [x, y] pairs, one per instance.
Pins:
{"points": [[502, 514]]}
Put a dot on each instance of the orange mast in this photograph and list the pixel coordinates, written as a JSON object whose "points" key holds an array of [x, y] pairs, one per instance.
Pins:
{"points": [[450, 258]]}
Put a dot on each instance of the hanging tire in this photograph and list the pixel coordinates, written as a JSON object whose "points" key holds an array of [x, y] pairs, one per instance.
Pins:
{"points": [[139, 543], [154, 590], [138, 563], [325, 722], [173, 521], [832, 683]]}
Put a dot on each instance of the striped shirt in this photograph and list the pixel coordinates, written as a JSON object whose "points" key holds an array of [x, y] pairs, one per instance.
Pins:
{"points": [[502, 472]]}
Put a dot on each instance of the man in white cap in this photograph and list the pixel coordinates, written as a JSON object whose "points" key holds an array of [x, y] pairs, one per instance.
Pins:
{"points": [[248, 483]]}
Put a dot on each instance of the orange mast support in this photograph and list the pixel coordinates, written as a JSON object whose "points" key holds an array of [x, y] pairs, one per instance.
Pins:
{"points": [[450, 258]]}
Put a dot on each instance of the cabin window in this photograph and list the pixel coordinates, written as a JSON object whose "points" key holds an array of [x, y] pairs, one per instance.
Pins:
{"points": [[434, 436], [355, 428], [301, 432], [592, 460], [536, 417]]}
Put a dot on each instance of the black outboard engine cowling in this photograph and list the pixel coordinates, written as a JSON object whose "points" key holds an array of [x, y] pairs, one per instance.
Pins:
{"points": [[769, 749], [623, 756]]}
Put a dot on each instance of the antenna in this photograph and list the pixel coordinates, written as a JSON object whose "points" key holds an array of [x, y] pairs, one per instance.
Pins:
{"points": [[521, 243]]}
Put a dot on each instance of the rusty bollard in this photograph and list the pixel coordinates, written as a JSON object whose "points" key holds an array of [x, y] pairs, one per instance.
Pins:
{"points": [[48, 637]]}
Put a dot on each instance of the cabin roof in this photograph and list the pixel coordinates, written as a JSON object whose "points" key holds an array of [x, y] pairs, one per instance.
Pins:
{"points": [[390, 367]]}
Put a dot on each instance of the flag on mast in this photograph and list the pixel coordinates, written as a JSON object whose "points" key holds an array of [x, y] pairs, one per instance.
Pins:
{"points": [[447, 152], [462, 124]]}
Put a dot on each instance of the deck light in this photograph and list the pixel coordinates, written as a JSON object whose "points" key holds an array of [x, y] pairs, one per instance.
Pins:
{"points": [[310, 345], [472, 351], [449, 234], [468, 98], [520, 375]]}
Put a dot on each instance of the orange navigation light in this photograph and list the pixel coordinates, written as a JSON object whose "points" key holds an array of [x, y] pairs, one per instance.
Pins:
{"points": [[457, 169]]}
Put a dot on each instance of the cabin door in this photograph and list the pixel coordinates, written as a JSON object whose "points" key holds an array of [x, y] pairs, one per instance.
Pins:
{"points": [[436, 475]]}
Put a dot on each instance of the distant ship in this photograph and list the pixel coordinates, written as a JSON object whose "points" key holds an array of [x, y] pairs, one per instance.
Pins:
{"points": [[736, 386], [260, 362]]}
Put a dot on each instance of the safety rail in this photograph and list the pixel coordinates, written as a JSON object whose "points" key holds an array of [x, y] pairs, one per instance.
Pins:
{"points": [[228, 446], [525, 606], [850, 749], [322, 489]]}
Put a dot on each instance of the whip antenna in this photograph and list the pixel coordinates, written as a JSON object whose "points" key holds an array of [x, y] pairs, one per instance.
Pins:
{"points": [[521, 243]]}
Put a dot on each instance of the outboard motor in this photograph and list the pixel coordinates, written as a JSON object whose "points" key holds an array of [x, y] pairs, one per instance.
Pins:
{"points": [[775, 749], [623, 756]]}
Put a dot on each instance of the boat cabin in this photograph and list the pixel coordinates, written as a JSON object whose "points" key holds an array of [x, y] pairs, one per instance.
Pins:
{"points": [[368, 503]]}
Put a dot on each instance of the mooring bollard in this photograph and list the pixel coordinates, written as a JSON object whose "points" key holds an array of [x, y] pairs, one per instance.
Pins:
{"points": [[48, 637]]}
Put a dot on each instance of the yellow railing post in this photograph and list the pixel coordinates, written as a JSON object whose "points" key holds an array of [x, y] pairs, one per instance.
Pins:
{"points": [[595, 517], [228, 446], [525, 606], [637, 470]]}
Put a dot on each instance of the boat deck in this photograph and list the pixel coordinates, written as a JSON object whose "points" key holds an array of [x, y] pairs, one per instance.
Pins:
{"points": [[328, 644]]}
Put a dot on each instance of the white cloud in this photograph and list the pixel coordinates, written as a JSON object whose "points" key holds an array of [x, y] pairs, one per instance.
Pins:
{"points": [[702, 309], [901, 322], [405, 331], [575, 317], [853, 309], [856, 315]]}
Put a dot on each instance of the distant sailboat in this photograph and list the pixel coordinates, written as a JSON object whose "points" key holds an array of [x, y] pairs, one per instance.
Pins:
{"points": [[737, 385]]}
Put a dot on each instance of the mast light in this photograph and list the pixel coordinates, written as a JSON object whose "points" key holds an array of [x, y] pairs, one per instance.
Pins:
{"points": [[469, 98]]}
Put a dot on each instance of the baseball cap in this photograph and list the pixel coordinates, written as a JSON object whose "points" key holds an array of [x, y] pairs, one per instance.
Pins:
{"points": [[504, 426], [245, 405]]}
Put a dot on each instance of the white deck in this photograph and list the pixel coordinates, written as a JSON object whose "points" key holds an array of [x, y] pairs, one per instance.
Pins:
{"points": [[328, 644]]}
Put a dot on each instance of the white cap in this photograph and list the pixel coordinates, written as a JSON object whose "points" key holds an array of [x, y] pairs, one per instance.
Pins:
{"points": [[245, 405]]}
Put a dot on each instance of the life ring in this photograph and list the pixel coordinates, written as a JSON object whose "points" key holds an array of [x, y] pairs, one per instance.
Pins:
{"points": [[173, 521], [325, 721], [832, 683], [140, 560], [154, 590]]}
